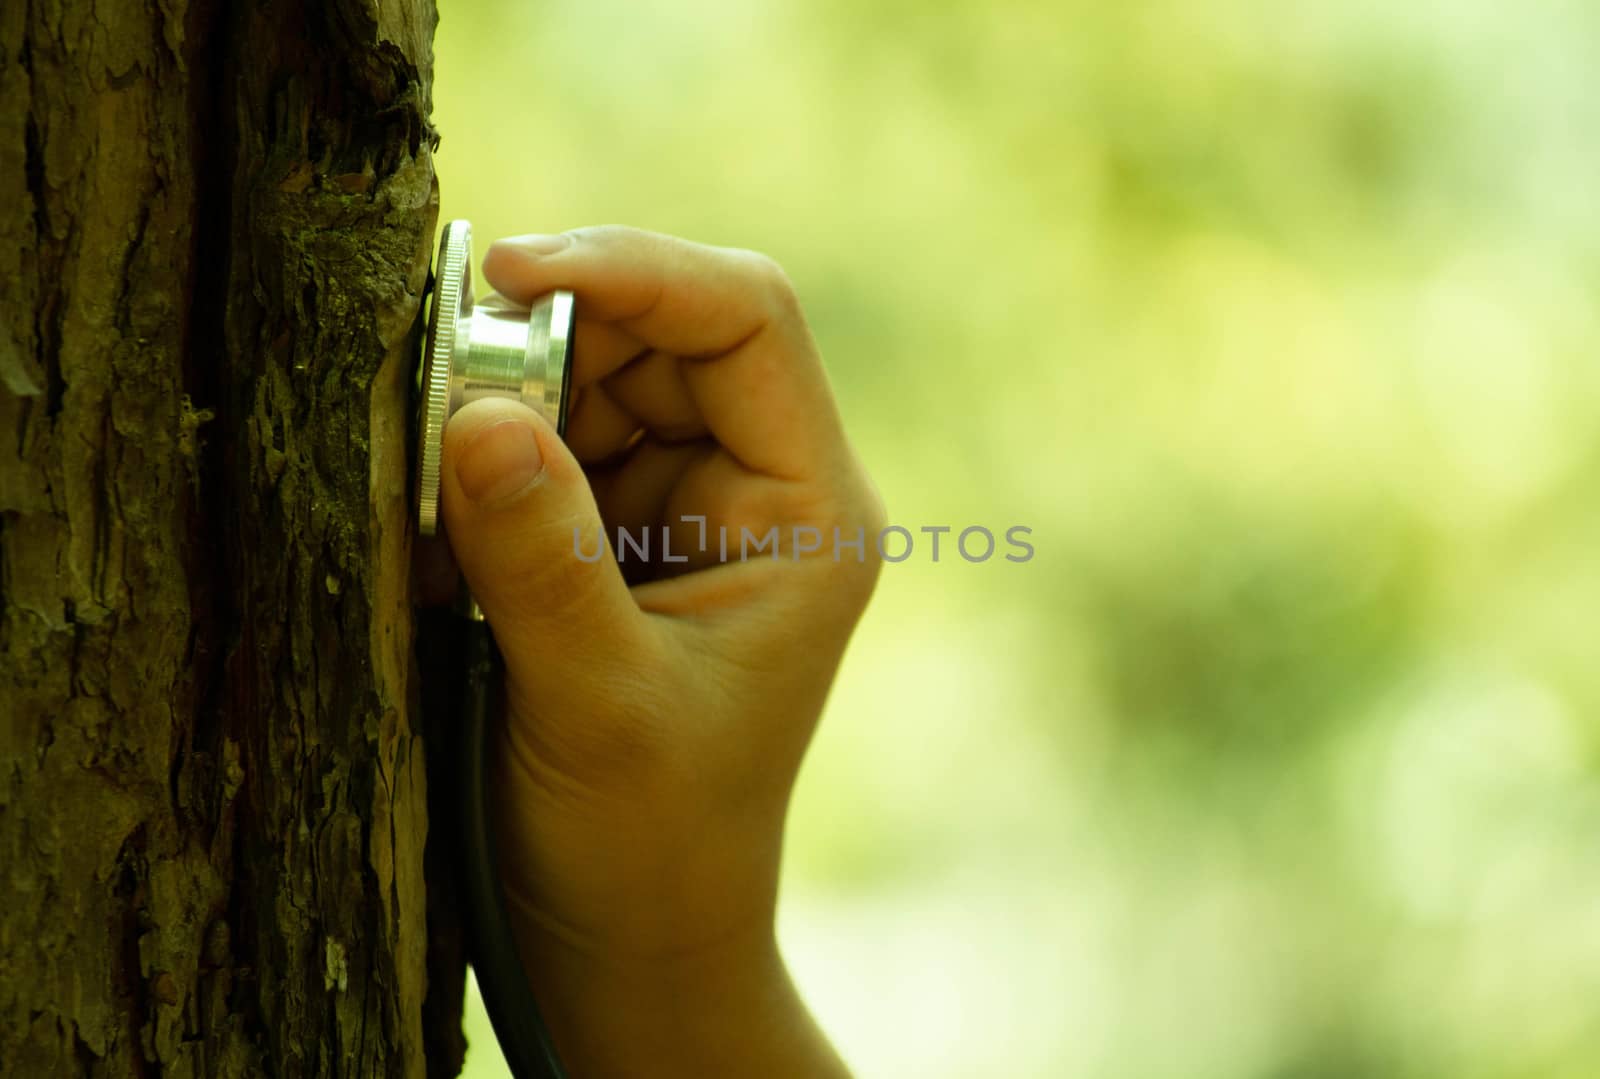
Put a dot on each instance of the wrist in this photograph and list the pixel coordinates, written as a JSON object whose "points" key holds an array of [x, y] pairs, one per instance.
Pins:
{"points": [[725, 1009]]}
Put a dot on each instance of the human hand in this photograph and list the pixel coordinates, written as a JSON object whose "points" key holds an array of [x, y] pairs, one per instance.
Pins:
{"points": [[656, 719]]}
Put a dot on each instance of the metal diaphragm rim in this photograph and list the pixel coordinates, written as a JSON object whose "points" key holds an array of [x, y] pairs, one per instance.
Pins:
{"points": [[452, 295]]}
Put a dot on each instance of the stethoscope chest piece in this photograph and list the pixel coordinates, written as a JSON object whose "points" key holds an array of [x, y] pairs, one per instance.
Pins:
{"points": [[484, 350]]}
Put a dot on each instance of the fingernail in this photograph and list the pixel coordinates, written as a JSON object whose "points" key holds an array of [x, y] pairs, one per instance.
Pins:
{"points": [[499, 461], [538, 244]]}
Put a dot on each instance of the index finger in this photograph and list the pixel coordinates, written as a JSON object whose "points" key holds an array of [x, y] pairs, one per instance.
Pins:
{"points": [[747, 358]]}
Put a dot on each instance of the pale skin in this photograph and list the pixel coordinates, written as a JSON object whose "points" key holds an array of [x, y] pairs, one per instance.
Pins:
{"points": [[656, 720]]}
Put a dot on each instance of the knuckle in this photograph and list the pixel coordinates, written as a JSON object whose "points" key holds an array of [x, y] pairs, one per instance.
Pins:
{"points": [[874, 512], [604, 234], [778, 291], [854, 515], [873, 515], [617, 241], [558, 581]]}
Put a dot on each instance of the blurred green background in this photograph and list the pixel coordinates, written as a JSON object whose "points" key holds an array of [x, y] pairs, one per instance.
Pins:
{"points": [[1277, 324]]}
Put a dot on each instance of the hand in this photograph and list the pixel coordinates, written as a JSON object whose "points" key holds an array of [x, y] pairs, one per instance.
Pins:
{"points": [[656, 718]]}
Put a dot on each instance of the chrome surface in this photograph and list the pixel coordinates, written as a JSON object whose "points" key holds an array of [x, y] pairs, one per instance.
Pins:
{"points": [[474, 351]]}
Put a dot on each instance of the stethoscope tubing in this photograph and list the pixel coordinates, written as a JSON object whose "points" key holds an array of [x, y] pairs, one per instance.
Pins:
{"points": [[491, 941]]}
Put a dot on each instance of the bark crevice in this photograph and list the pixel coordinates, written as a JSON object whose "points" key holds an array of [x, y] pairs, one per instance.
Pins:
{"points": [[212, 778]]}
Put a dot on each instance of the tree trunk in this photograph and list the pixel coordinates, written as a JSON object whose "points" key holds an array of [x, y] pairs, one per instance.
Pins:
{"points": [[215, 223]]}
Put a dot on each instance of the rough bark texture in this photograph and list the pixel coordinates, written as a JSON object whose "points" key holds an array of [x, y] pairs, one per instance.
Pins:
{"points": [[215, 225]]}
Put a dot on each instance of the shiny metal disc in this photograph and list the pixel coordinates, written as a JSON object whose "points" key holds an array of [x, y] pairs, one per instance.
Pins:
{"points": [[477, 351]]}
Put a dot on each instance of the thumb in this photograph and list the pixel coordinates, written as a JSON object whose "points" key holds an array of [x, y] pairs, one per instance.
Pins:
{"points": [[518, 511]]}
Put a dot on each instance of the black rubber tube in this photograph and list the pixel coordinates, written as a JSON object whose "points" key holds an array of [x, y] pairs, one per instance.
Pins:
{"points": [[491, 943]]}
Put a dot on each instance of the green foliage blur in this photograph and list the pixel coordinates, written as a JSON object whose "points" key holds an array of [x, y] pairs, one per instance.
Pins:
{"points": [[1277, 325]]}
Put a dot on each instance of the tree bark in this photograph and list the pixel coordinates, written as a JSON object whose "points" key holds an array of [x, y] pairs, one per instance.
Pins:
{"points": [[215, 224]]}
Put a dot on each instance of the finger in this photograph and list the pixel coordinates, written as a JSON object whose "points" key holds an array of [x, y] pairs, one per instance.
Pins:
{"points": [[513, 497], [758, 382], [633, 498], [597, 427], [652, 388], [598, 348]]}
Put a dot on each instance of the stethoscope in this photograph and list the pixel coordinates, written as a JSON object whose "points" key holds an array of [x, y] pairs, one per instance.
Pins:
{"points": [[525, 355]]}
